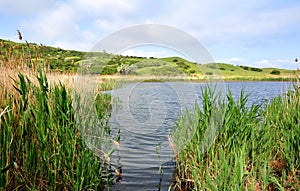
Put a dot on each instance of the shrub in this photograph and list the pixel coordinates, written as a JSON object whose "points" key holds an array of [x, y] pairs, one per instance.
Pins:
{"points": [[275, 72], [186, 66], [245, 67], [111, 62], [256, 69], [107, 70], [192, 71]]}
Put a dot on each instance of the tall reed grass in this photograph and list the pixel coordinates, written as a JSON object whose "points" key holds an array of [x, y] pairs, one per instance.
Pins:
{"points": [[41, 146], [258, 148]]}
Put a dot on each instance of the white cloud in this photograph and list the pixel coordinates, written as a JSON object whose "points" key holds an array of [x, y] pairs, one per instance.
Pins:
{"points": [[104, 8], [72, 45], [56, 23], [233, 19], [110, 26], [28, 7], [81, 22], [234, 60], [262, 24]]}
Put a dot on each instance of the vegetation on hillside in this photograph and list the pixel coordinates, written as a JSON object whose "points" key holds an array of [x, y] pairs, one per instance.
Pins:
{"points": [[59, 60]]}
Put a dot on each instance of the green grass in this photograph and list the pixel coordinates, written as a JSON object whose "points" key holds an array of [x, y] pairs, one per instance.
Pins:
{"points": [[257, 148], [41, 145]]}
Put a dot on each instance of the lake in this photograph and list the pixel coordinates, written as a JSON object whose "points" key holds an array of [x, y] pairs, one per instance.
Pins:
{"points": [[147, 112]]}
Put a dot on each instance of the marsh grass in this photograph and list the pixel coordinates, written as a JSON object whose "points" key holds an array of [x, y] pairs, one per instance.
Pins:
{"points": [[41, 146], [258, 148]]}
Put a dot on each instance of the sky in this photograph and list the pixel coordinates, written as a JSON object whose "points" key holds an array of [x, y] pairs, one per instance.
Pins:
{"points": [[254, 33]]}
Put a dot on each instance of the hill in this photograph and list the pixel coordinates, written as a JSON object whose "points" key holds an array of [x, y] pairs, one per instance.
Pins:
{"points": [[60, 60]]}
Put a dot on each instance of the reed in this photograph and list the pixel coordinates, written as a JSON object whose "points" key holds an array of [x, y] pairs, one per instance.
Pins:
{"points": [[258, 148], [41, 145]]}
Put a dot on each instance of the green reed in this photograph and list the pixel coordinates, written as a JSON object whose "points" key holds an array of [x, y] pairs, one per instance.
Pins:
{"points": [[257, 148], [41, 147]]}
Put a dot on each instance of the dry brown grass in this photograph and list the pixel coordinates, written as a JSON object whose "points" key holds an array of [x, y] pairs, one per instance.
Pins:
{"points": [[7, 76]]}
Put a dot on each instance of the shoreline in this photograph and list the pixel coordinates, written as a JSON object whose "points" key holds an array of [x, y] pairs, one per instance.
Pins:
{"points": [[193, 79]]}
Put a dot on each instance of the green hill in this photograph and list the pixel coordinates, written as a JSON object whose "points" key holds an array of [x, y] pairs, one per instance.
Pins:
{"points": [[60, 60]]}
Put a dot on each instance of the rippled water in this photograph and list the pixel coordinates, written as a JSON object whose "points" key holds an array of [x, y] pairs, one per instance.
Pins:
{"points": [[147, 112]]}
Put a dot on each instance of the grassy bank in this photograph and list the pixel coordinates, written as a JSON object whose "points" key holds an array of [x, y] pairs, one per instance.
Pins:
{"points": [[257, 148]]}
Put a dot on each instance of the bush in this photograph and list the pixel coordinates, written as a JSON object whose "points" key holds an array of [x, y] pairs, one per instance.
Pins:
{"points": [[209, 73], [252, 69], [186, 66], [256, 69], [107, 70], [275, 72], [245, 67], [192, 71], [111, 62]]}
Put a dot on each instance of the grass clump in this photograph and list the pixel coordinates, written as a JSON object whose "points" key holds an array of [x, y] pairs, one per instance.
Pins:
{"points": [[257, 148]]}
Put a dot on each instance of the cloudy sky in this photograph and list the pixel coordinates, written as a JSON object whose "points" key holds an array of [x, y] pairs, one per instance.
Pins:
{"points": [[256, 33]]}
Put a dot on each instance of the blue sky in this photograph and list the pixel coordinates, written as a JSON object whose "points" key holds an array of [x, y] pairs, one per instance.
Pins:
{"points": [[256, 33]]}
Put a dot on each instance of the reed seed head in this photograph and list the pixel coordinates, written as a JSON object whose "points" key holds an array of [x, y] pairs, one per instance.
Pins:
{"points": [[3, 44], [19, 35]]}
